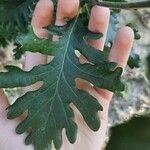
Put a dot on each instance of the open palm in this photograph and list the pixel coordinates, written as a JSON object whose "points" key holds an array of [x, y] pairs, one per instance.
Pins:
{"points": [[99, 20]]}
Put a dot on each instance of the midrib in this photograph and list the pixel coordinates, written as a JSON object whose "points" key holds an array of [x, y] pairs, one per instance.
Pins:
{"points": [[65, 53]]}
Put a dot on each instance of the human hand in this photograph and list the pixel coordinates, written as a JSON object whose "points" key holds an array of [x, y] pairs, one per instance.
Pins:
{"points": [[99, 20]]}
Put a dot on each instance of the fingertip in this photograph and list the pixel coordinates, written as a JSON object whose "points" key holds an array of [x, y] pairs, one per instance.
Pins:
{"points": [[125, 36], [67, 8], [42, 17], [99, 18], [122, 46], [99, 21], [43, 13]]}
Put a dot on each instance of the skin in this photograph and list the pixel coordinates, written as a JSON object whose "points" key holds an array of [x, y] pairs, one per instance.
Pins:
{"points": [[121, 48]]}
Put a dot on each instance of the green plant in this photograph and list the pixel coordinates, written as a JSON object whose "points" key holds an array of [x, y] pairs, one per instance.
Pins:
{"points": [[131, 135], [51, 112]]}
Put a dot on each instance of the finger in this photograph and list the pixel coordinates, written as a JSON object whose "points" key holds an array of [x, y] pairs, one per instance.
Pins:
{"points": [[119, 53], [66, 9], [3, 102], [122, 46], [42, 17], [99, 21]]}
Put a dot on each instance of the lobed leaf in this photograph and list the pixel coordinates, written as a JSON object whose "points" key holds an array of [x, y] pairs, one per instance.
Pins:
{"points": [[48, 107]]}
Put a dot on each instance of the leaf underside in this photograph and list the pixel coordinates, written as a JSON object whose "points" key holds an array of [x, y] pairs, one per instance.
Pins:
{"points": [[29, 41], [48, 107]]}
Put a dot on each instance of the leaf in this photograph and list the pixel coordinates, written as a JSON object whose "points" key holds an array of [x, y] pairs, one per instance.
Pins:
{"points": [[29, 41], [3, 41], [134, 60], [137, 35], [14, 17], [131, 135], [48, 107]]}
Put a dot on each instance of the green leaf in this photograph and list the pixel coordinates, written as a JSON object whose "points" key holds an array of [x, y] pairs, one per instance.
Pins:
{"points": [[134, 60], [3, 41], [137, 35], [29, 41], [131, 135], [48, 107]]}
